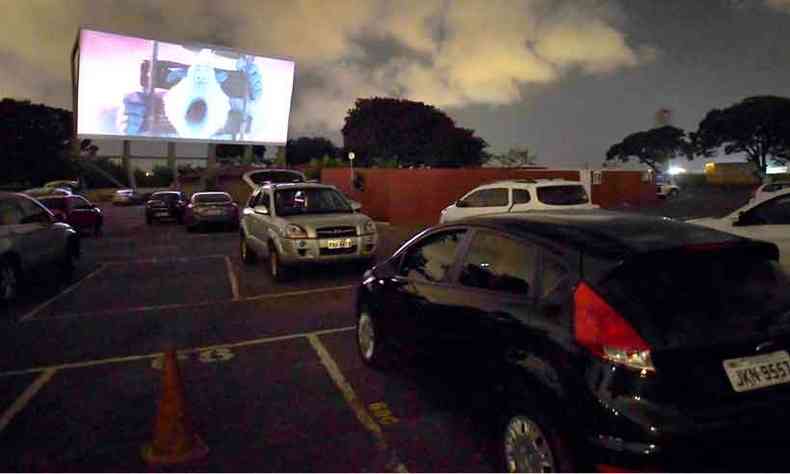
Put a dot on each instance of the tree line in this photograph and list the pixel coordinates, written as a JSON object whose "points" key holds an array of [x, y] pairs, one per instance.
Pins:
{"points": [[758, 127]]}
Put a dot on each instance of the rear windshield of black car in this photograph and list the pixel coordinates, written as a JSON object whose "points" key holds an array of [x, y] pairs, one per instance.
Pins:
{"points": [[212, 199], [695, 299], [167, 197], [276, 177], [289, 202], [54, 203], [562, 195]]}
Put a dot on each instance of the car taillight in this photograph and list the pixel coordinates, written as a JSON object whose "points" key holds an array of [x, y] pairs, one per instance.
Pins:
{"points": [[601, 330]]}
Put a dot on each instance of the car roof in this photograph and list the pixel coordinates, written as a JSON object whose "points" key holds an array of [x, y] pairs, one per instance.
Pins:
{"points": [[524, 183], [276, 186], [606, 233], [207, 193]]}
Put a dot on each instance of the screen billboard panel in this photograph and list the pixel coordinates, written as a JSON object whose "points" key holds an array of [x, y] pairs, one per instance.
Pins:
{"points": [[140, 89]]}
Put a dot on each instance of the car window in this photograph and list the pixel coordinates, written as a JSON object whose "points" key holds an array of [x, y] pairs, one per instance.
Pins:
{"points": [[554, 279], [487, 198], [562, 195], [212, 198], [310, 201], [253, 201], [774, 212], [54, 203], [697, 298], [431, 258], [32, 212], [78, 203], [10, 214], [498, 263], [520, 196], [264, 200], [276, 177]]}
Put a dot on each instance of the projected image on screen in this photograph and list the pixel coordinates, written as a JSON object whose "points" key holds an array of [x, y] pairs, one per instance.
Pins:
{"points": [[137, 89]]}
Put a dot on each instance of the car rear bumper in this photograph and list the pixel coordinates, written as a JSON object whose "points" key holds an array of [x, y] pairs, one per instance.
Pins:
{"points": [[745, 446], [218, 219], [295, 251]]}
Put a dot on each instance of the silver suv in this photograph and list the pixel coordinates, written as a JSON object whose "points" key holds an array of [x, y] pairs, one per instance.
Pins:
{"points": [[32, 239], [300, 223]]}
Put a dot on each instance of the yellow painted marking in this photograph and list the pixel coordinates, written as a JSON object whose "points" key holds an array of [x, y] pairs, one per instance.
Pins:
{"points": [[21, 402], [356, 405], [68, 290], [382, 413], [220, 354], [143, 309], [132, 358], [234, 282]]}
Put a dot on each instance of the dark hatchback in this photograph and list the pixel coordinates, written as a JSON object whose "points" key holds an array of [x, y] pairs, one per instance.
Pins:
{"points": [[166, 205], [615, 341]]}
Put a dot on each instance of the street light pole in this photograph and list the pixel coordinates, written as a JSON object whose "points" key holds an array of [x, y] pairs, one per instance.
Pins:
{"points": [[351, 163]]}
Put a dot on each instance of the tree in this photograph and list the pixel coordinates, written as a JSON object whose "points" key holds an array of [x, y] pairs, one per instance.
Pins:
{"points": [[412, 133], [304, 149], [757, 126], [652, 147], [35, 141], [235, 154], [517, 157]]}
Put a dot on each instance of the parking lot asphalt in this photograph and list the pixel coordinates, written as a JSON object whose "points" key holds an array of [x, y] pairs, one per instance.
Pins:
{"points": [[273, 382], [271, 374]]}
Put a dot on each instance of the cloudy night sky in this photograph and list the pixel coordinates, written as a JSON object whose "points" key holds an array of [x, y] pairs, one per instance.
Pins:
{"points": [[565, 78]]}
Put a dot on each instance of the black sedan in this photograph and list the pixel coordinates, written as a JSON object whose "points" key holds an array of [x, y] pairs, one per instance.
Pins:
{"points": [[165, 205], [616, 341]]}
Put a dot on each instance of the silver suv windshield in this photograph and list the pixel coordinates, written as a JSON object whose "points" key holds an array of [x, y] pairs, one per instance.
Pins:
{"points": [[288, 202]]}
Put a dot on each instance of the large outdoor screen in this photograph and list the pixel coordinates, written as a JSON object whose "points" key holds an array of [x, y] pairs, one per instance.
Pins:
{"points": [[141, 89]]}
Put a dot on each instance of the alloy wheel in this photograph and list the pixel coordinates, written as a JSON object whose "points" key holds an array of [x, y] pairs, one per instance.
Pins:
{"points": [[366, 335], [527, 447]]}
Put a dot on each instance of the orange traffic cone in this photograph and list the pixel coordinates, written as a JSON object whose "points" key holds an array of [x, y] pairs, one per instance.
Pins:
{"points": [[174, 441]]}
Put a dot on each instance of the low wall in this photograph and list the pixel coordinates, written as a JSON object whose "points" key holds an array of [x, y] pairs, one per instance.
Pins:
{"points": [[417, 196]]}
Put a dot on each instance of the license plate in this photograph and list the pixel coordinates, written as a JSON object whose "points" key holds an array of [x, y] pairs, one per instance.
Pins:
{"points": [[213, 212], [765, 370], [162, 214], [339, 244]]}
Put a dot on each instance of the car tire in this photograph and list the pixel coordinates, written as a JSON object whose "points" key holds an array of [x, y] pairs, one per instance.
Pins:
{"points": [[530, 442], [279, 272], [69, 263], [247, 254], [97, 230], [149, 220], [373, 345], [10, 277]]}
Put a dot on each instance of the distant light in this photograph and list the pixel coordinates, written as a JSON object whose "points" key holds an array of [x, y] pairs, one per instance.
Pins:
{"points": [[148, 173], [676, 170]]}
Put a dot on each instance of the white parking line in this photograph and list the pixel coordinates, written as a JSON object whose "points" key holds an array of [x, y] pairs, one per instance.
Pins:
{"points": [[68, 290], [132, 358], [395, 465], [234, 282], [144, 309], [21, 402]]}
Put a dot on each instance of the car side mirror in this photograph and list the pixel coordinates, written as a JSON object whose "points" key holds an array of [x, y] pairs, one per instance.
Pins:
{"points": [[460, 203], [262, 210], [739, 219], [356, 206]]}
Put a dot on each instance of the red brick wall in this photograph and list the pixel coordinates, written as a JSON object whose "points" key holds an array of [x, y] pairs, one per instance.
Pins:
{"points": [[623, 187], [417, 196]]}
